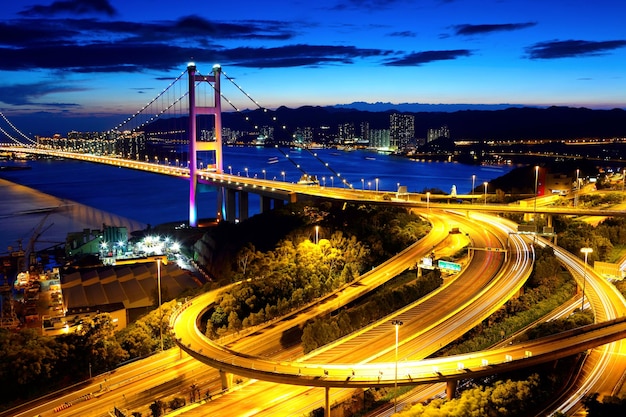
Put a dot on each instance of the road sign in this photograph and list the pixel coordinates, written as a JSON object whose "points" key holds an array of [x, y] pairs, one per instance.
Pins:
{"points": [[449, 265]]}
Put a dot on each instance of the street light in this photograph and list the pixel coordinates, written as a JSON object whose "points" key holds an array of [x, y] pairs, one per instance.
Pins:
{"points": [[536, 183], [577, 182], [317, 234], [264, 175], [362, 184], [397, 324], [332, 181], [376, 184], [486, 192], [473, 186], [586, 251], [246, 169], [283, 174], [428, 200], [230, 168], [159, 290]]}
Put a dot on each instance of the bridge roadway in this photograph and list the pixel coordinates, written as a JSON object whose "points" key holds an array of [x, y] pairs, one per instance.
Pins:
{"points": [[431, 322], [291, 192]]}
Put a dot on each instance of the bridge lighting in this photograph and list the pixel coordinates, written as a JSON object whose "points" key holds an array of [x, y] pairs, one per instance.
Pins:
{"points": [[586, 251], [397, 324]]}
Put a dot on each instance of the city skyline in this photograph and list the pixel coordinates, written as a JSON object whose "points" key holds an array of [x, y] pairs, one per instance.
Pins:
{"points": [[87, 65]]}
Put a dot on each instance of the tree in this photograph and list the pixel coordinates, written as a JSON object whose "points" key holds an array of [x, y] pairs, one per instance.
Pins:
{"points": [[156, 408]]}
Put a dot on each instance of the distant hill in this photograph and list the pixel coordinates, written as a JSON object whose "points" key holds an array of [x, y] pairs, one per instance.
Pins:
{"points": [[421, 107], [510, 123]]}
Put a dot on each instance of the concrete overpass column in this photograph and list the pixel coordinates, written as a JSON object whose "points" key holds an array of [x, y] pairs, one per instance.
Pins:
{"points": [[451, 388], [327, 402], [227, 379], [278, 203], [266, 204], [231, 205], [549, 220], [243, 205]]}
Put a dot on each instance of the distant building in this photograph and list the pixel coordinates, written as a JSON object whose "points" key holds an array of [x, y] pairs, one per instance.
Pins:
{"points": [[379, 139], [401, 130], [433, 134]]}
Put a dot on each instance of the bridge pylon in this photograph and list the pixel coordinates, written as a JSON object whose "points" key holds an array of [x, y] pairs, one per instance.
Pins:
{"points": [[196, 146]]}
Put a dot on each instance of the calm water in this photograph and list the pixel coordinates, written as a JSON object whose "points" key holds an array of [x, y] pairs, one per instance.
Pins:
{"points": [[92, 194]]}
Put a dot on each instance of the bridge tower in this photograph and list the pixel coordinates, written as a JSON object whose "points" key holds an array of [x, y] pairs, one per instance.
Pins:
{"points": [[196, 146]]}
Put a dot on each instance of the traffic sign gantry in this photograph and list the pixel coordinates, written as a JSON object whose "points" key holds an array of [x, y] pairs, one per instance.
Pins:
{"points": [[449, 265]]}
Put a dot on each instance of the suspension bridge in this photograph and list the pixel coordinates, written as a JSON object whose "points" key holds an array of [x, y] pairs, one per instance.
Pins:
{"points": [[183, 124]]}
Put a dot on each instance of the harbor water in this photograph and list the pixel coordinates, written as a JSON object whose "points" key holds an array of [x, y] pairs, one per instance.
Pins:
{"points": [[53, 197]]}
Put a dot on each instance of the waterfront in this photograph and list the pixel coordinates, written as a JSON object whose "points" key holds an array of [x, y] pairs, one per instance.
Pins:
{"points": [[102, 194]]}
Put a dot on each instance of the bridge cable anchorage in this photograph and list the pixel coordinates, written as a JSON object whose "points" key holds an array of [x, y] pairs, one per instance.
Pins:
{"points": [[19, 132], [275, 120]]}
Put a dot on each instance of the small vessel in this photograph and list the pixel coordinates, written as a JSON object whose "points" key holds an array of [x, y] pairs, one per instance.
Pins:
{"points": [[307, 179]]}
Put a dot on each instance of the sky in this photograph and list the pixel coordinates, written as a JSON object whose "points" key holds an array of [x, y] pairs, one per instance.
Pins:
{"points": [[89, 64]]}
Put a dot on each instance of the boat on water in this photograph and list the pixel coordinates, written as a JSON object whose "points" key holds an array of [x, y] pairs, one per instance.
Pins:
{"points": [[307, 179]]}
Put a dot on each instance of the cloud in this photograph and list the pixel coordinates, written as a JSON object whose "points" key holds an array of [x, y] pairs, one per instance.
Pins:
{"points": [[27, 94], [469, 30], [403, 34], [366, 4], [77, 7], [420, 58], [298, 55], [572, 48]]}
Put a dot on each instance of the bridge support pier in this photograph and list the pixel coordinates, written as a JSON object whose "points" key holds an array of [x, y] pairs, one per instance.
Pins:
{"points": [[451, 389], [227, 380], [231, 205], [243, 205], [327, 402]]}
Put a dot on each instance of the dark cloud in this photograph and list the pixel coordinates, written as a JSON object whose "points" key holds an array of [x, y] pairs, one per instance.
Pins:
{"points": [[28, 94], [298, 55], [572, 48], [469, 30], [403, 34], [76, 7], [366, 4], [420, 58]]}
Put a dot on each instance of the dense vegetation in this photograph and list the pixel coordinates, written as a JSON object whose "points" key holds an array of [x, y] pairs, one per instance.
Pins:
{"points": [[351, 239], [385, 301]]}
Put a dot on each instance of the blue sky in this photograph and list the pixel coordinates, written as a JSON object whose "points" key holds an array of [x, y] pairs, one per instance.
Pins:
{"points": [[94, 62]]}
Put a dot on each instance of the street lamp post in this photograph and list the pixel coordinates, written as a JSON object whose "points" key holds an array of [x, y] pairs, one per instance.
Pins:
{"points": [[317, 234], [397, 324], [473, 186], [362, 184], [586, 251], [246, 169], [230, 169], [283, 174], [376, 184], [577, 186], [160, 312], [486, 192], [536, 184], [264, 175]]}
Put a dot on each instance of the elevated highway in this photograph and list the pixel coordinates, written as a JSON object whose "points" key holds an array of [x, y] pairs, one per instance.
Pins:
{"points": [[286, 191]]}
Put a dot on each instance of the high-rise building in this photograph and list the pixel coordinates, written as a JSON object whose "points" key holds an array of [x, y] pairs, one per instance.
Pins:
{"points": [[442, 132], [401, 130], [379, 138]]}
